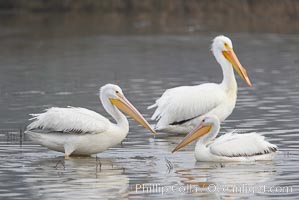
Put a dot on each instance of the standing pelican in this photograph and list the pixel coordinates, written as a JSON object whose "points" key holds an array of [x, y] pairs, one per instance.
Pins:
{"points": [[228, 147], [79, 131], [178, 109]]}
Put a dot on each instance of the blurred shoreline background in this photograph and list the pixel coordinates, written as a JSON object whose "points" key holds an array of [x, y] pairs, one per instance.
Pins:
{"points": [[73, 17]]}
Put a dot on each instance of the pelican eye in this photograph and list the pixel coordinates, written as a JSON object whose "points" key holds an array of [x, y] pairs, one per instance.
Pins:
{"points": [[226, 45], [203, 120], [116, 92]]}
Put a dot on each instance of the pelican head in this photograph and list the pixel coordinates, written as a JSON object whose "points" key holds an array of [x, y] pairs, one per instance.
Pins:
{"points": [[115, 95], [222, 49], [205, 127]]}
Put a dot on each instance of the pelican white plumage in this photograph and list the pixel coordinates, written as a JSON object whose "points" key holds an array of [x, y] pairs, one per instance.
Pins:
{"points": [[180, 108], [228, 147], [79, 131]]}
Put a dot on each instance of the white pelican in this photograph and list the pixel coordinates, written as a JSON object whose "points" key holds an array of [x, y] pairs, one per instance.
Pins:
{"points": [[228, 147], [178, 109], [79, 131]]}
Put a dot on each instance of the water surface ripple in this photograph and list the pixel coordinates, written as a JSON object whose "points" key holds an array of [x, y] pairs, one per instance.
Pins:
{"points": [[40, 73]]}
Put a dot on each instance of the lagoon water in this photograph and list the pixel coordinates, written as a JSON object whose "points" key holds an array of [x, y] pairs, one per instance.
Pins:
{"points": [[40, 71]]}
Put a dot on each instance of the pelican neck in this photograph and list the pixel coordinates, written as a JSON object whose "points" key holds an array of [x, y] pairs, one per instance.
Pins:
{"points": [[229, 81], [118, 116]]}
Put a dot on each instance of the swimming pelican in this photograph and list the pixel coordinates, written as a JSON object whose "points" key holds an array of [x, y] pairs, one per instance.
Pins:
{"points": [[79, 131], [228, 147], [180, 108]]}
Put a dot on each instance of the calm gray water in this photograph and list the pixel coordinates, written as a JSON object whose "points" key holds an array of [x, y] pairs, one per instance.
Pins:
{"points": [[37, 72]]}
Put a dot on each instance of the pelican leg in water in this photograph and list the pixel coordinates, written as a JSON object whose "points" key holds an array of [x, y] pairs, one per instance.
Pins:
{"points": [[179, 109], [79, 131], [228, 147]]}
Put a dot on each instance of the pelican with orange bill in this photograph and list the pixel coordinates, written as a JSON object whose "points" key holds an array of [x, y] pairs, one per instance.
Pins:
{"points": [[228, 147], [79, 131], [179, 109]]}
